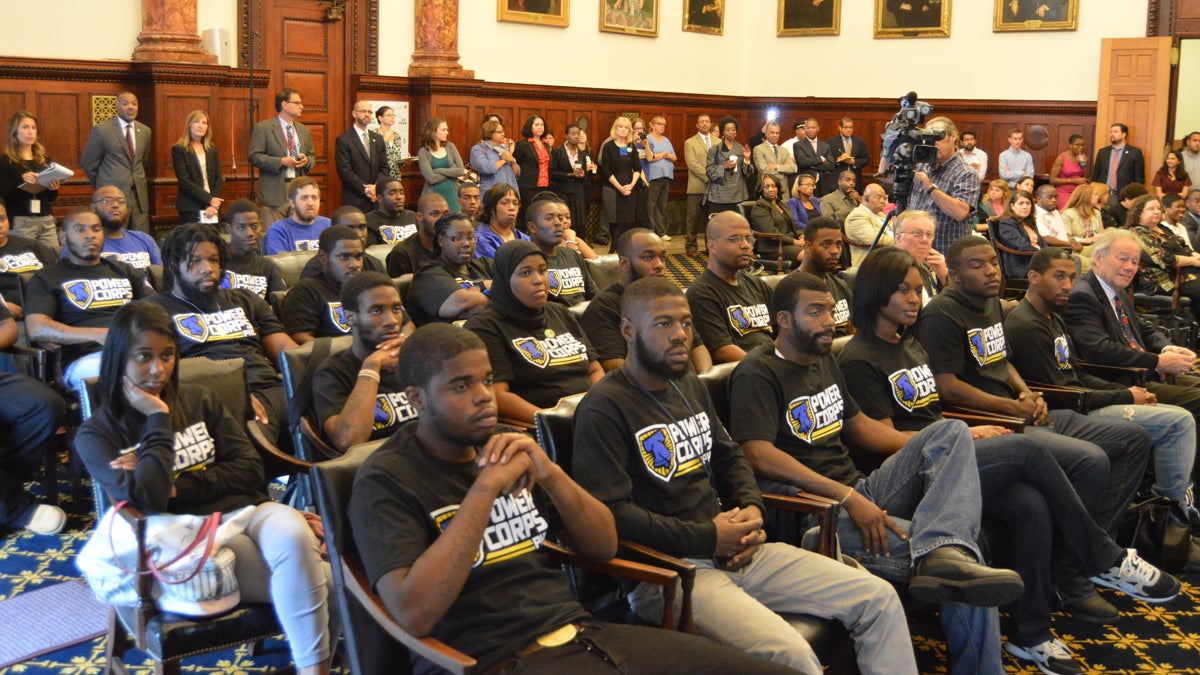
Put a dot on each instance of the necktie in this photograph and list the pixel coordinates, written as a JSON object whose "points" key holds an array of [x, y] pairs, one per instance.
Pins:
{"points": [[775, 150], [1126, 327], [708, 141], [129, 141], [291, 141], [1112, 169], [366, 141]]}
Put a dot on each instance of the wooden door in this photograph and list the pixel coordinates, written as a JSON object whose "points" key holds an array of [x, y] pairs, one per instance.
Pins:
{"points": [[305, 50], [1135, 88]]}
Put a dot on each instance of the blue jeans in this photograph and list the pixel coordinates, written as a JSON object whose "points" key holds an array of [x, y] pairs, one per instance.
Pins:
{"points": [[30, 414], [1173, 432]]}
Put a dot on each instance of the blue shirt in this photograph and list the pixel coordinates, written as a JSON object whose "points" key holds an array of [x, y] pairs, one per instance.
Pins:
{"points": [[661, 168], [136, 249], [288, 235], [1015, 165], [486, 241], [483, 160]]}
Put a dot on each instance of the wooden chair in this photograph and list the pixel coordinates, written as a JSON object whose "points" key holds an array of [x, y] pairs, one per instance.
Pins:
{"points": [[297, 372], [375, 642], [776, 265], [1008, 282]]}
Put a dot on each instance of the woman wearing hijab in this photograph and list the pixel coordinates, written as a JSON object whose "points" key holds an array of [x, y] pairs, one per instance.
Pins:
{"points": [[538, 352]]}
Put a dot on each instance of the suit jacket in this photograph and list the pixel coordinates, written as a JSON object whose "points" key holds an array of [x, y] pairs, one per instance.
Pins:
{"points": [[190, 175], [1132, 168], [106, 161], [1096, 332], [696, 155], [561, 180], [268, 147], [1192, 224], [862, 157], [786, 163], [819, 163], [356, 169]]}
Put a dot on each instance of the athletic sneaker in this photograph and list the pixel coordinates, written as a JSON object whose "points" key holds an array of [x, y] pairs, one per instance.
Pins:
{"points": [[1138, 578], [43, 519], [1051, 657]]}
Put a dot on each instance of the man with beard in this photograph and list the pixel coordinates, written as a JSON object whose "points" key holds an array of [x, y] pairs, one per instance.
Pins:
{"points": [[962, 331], [570, 283], [417, 250], [353, 218], [730, 304], [930, 479], [71, 302], [649, 444], [136, 249], [313, 308], [390, 223], [357, 393], [299, 231], [640, 254], [223, 324], [822, 259], [246, 268], [17, 255]]}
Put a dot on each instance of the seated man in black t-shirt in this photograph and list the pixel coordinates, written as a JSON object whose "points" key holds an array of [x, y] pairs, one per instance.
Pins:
{"points": [[246, 267], [390, 223], [352, 217], [822, 253], [71, 302], [640, 253], [17, 255], [416, 250], [313, 308], [731, 306], [570, 283], [357, 393], [223, 324], [450, 518], [454, 285]]}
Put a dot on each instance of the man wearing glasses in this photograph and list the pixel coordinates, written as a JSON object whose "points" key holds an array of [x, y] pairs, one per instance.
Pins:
{"points": [[730, 307], [914, 233], [282, 149]]}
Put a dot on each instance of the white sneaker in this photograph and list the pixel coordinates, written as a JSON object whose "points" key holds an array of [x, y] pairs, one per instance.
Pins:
{"points": [[46, 519], [665, 237], [1137, 578], [1051, 657]]}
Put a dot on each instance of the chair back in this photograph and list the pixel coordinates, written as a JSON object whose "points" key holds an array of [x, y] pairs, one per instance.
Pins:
{"points": [[716, 381], [556, 428], [380, 251], [297, 369], [403, 283], [154, 274], [224, 376], [605, 269], [291, 265]]}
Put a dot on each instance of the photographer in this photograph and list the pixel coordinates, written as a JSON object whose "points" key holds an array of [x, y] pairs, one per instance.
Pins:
{"points": [[947, 190]]}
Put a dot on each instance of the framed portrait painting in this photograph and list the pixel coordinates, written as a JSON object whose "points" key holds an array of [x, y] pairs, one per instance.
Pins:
{"points": [[631, 17], [704, 16], [1031, 15], [912, 18], [541, 12], [809, 17]]}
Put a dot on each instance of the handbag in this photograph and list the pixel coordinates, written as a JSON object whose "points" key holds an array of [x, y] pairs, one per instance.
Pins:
{"points": [[193, 570], [1157, 536]]}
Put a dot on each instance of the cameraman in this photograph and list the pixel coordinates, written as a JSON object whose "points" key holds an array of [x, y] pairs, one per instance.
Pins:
{"points": [[947, 190]]}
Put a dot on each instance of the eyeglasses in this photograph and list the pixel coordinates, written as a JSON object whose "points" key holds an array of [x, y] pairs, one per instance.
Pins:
{"points": [[295, 102], [460, 238], [739, 238], [923, 236], [109, 201]]}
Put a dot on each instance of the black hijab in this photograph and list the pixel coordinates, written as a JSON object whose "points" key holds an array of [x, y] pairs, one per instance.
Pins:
{"points": [[508, 258]]}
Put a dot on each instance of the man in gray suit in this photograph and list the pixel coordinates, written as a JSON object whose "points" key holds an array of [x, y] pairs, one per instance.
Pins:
{"points": [[116, 153], [282, 149]]}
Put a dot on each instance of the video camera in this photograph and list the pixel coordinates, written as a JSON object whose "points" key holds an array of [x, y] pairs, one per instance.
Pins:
{"points": [[906, 146]]}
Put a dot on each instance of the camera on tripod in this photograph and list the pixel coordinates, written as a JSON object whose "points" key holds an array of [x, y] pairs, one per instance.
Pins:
{"points": [[907, 146]]}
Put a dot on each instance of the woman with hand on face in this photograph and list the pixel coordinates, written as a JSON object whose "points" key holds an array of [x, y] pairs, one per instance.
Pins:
{"points": [[521, 328], [1018, 230], [198, 170], [620, 171], [492, 157], [23, 159], [171, 448], [454, 285], [440, 162], [1069, 170]]}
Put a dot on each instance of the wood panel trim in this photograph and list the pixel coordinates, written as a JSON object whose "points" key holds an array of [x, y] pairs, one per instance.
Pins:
{"points": [[126, 72]]}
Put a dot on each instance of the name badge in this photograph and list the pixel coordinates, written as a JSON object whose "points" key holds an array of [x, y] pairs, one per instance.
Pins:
{"points": [[35, 205]]}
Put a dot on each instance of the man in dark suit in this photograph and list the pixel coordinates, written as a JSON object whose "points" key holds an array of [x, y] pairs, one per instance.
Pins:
{"points": [[850, 151], [116, 153], [1106, 329], [282, 149], [814, 157], [1119, 164], [1191, 220], [361, 158]]}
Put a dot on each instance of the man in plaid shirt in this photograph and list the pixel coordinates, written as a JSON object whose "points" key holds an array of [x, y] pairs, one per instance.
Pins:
{"points": [[948, 190]]}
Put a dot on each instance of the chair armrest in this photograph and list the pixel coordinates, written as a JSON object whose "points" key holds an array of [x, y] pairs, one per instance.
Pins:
{"points": [[975, 417], [825, 509], [54, 364], [634, 551], [441, 654], [624, 569], [274, 460], [311, 436], [37, 359], [1071, 398], [778, 238], [146, 608], [1134, 377]]}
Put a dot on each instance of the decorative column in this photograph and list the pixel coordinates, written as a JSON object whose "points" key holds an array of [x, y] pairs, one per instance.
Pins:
{"points": [[436, 50], [169, 34]]}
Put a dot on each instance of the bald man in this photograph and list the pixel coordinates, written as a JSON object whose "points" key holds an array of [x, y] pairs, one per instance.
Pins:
{"points": [[864, 221], [361, 159], [730, 306]]}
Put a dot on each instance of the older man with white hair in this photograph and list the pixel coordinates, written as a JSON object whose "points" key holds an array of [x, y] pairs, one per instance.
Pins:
{"points": [[864, 221]]}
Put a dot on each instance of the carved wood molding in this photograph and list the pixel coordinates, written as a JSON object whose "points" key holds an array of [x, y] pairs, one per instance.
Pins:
{"points": [[125, 72]]}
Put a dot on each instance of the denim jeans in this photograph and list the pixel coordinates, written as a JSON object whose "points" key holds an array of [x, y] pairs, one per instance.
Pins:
{"points": [[1173, 432], [30, 414]]}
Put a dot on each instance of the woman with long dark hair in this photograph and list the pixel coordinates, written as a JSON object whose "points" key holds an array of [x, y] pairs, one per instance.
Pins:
{"points": [[167, 448], [1172, 176], [1018, 230], [533, 159]]}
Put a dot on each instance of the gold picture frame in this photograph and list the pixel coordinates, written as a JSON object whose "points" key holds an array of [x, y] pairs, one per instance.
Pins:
{"points": [[1026, 15], [629, 17], [704, 16], [907, 19], [798, 18], [538, 12]]}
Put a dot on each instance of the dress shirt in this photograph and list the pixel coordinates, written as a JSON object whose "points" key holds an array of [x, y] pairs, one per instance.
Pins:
{"points": [[1050, 224], [956, 179], [1015, 165], [975, 156]]}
